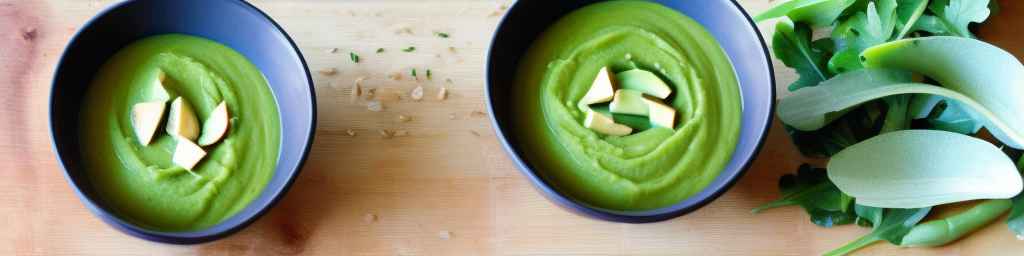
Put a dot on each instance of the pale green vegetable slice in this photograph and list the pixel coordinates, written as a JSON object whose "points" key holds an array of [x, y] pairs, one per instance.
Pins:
{"points": [[811, 108], [978, 70], [815, 12], [923, 168]]}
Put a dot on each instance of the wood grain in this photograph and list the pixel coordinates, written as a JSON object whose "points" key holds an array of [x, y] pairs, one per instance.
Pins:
{"points": [[448, 175]]}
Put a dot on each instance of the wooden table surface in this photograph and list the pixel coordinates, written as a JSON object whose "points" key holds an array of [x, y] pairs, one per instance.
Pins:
{"points": [[449, 175]]}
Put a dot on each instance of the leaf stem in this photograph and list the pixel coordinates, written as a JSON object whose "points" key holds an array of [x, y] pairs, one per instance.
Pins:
{"points": [[773, 204], [861, 242]]}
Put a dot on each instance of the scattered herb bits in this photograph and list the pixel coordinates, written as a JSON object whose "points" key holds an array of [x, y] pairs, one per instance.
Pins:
{"points": [[441, 34], [354, 57], [380, 50], [428, 74], [409, 49]]}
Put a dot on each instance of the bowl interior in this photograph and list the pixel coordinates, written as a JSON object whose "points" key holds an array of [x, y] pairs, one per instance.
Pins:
{"points": [[233, 23], [726, 21]]}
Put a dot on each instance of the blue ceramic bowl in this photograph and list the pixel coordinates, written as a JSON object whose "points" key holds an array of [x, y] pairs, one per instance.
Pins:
{"points": [[726, 21], [234, 23]]}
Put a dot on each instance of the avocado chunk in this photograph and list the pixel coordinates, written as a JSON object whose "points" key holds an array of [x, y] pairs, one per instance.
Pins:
{"points": [[661, 114], [628, 101], [157, 91], [643, 81], [638, 123], [215, 125], [146, 118], [604, 124], [182, 121], [187, 154], [601, 90]]}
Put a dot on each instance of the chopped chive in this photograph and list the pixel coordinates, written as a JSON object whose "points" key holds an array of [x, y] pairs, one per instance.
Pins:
{"points": [[441, 34], [380, 50], [413, 73], [355, 58], [410, 49], [428, 74]]}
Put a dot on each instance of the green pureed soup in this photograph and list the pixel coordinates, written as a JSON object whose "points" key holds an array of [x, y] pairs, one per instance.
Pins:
{"points": [[652, 167], [141, 183]]}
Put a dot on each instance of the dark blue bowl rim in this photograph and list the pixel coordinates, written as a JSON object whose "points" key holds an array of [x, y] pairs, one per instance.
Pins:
{"points": [[646, 216], [188, 237]]}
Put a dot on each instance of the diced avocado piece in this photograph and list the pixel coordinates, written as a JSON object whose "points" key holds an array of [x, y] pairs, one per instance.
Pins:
{"points": [[643, 81], [182, 120], [661, 114], [146, 118], [638, 123], [604, 124], [601, 90], [628, 101], [187, 154], [215, 125], [157, 91]]}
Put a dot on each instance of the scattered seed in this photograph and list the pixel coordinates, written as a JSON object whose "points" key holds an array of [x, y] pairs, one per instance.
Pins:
{"points": [[395, 76], [350, 132], [332, 50], [409, 49], [403, 30], [354, 57], [445, 234], [369, 218], [380, 50], [442, 94], [29, 33], [429, 75], [478, 113], [356, 91], [404, 118], [375, 106], [417, 93], [369, 92], [384, 134], [441, 34], [413, 73], [328, 71], [401, 133], [474, 133]]}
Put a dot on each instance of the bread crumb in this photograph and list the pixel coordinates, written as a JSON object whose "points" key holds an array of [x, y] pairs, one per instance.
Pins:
{"points": [[385, 134], [350, 132], [328, 71], [404, 118], [401, 133], [369, 218], [442, 94], [356, 91], [369, 92], [417, 93], [395, 76], [445, 234], [375, 106], [451, 116], [477, 134]]}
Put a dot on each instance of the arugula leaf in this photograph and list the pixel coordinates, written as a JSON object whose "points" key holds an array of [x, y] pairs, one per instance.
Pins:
{"points": [[956, 15], [856, 125], [864, 29], [792, 45], [894, 224], [814, 12], [907, 13], [1016, 219], [810, 189]]}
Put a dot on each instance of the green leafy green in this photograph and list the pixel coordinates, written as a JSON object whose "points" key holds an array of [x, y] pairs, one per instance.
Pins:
{"points": [[868, 214], [810, 189], [956, 15], [814, 12], [864, 29], [792, 45], [1016, 219], [908, 12], [923, 168], [894, 224]]}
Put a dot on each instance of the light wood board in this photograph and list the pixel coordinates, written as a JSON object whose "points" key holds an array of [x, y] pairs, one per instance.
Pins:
{"points": [[448, 174]]}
